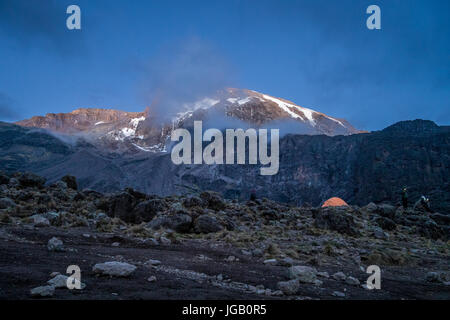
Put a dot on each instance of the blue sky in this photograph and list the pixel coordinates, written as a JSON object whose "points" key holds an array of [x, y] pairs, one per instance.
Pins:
{"points": [[318, 54]]}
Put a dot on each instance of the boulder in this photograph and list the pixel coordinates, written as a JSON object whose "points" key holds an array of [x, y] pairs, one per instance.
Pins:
{"points": [[213, 200], [303, 273], [6, 203], [289, 287], [4, 179], [337, 219], [178, 222], [29, 179], [70, 181], [114, 269], [59, 281], [193, 201], [441, 218], [43, 291], [121, 205], [54, 244], [386, 223], [40, 221], [147, 210], [386, 210], [371, 207], [207, 224]]}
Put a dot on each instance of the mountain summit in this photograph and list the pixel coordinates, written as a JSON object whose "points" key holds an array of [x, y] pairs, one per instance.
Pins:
{"points": [[143, 132]]}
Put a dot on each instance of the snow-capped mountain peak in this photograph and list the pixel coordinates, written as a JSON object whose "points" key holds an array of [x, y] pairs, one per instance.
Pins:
{"points": [[122, 131]]}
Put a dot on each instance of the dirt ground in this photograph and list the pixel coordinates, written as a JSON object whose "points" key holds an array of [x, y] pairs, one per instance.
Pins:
{"points": [[188, 270]]}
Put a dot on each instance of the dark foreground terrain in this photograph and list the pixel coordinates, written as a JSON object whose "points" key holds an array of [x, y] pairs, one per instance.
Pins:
{"points": [[200, 246]]}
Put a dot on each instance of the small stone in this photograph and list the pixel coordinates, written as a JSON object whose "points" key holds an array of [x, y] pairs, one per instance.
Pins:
{"points": [[230, 258], [352, 281], [258, 252], [115, 244], [271, 262], [287, 261], [339, 276], [165, 241], [54, 244], [153, 262], [318, 282], [323, 274], [277, 293], [151, 279], [261, 291], [338, 294], [43, 291]]}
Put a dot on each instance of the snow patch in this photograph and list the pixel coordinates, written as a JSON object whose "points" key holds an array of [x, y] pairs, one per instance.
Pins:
{"points": [[308, 113]]}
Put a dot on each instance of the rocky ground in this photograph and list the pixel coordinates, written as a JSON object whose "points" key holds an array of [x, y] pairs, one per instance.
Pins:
{"points": [[130, 245]]}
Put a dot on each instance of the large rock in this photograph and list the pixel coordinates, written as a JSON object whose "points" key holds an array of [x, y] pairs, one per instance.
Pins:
{"points": [[213, 200], [40, 221], [70, 181], [289, 287], [4, 179], [28, 179], [178, 222], [121, 205], [146, 210], [43, 291], [337, 219], [386, 223], [60, 282], [441, 218], [207, 224], [54, 244], [303, 273], [386, 210], [6, 203], [193, 201], [114, 269]]}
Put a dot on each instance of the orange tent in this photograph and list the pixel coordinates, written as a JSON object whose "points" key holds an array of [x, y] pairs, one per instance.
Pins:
{"points": [[334, 202]]}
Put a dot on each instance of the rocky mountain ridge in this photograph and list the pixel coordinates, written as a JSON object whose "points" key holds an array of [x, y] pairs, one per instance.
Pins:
{"points": [[357, 168]]}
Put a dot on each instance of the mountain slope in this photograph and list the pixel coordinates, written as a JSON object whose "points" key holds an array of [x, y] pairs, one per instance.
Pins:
{"points": [[357, 168]]}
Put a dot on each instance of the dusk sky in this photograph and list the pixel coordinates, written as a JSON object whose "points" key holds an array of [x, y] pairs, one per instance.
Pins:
{"points": [[318, 54]]}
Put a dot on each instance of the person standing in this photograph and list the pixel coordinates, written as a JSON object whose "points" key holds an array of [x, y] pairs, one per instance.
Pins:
{"points": [[405, 198]]}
